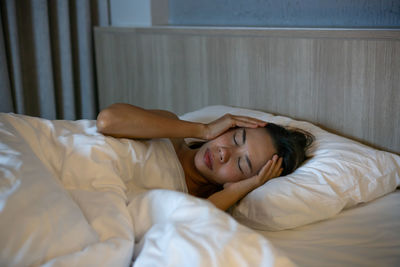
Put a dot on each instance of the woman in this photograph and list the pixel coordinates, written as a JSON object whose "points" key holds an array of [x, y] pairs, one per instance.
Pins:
{"points": [[241, 153]]}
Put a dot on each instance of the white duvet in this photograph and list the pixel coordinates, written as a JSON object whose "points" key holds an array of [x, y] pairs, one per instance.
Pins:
{"points": [[72, 197]]}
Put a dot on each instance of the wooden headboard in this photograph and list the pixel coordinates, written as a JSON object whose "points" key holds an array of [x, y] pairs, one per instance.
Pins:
{"points": [[344, 80]]}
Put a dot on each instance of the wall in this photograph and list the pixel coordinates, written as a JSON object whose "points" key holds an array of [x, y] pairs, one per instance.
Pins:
{"points": [[344, 80], [130, 12], [269, 13], [286, 13]]}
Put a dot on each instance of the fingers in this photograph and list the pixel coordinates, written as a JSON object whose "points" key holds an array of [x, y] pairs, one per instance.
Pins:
{"points": [[277, 167], [224, 123], [244, 121], [266, 169], [248, 124], [271, 169]]}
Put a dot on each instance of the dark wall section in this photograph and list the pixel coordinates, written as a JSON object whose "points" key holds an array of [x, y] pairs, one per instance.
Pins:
{"points": [[286, 13]]}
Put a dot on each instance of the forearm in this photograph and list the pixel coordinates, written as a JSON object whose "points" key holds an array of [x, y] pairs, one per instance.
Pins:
{"points": [[124, 120], [227, 197]]}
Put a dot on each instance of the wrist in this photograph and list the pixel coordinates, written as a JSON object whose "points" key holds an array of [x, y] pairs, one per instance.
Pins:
{"points": [[244, 186], [201, 131]]}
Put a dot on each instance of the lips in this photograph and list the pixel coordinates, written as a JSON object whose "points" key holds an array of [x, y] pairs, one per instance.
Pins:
{"points": [[208, 159]]}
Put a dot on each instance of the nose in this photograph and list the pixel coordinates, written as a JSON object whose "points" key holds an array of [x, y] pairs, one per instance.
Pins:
{"points": [[224, 154]]}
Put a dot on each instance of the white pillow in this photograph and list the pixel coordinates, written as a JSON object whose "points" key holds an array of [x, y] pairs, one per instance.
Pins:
{"points": [[339, 174]]}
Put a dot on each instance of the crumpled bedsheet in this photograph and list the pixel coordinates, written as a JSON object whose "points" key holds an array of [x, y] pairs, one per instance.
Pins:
{"points": [[66, 199]]}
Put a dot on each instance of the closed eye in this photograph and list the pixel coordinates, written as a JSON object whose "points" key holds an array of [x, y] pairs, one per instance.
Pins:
{"points": [[238, 161], [246, 157], [234, 139], [240, 168]]}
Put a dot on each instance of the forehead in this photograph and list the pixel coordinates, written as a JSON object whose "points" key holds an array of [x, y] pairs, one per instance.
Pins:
{"points": [[260, 146]]}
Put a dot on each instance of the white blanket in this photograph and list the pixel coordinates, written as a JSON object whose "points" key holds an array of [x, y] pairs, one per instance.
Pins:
{"points": [[71, 197]]}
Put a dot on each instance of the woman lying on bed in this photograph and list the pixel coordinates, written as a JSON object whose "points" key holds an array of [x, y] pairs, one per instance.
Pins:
{"points": [[241, 153]]}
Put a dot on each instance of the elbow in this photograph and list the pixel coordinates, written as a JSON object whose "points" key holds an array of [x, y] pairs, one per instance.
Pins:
{"points": [[105, 120]]}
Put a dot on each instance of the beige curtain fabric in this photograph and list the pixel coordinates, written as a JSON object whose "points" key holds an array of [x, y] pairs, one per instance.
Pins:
{"points": [[47, 57]]}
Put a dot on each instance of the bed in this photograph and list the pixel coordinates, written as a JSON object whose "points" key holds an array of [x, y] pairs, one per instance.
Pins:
{"points": [[67, 197]]}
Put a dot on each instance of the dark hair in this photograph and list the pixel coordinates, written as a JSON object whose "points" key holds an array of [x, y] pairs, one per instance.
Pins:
{"points": [[291, 144]]}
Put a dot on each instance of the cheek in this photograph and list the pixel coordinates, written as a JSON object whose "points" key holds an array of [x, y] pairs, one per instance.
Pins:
{"points": [[198, 161], [229, 174]]}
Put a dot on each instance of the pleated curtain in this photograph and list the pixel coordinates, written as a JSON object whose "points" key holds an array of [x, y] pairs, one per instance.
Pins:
{"points": [[47, 62]]}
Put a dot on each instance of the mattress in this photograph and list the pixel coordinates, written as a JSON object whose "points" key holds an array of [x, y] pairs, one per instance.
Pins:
{"points": [[366, 235]]}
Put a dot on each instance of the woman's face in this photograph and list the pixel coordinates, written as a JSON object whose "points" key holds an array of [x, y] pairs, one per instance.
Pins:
{"points": [[235, 155]]}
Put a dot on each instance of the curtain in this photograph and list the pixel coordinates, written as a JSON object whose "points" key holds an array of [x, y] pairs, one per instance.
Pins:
{"points": [[47, 62]]}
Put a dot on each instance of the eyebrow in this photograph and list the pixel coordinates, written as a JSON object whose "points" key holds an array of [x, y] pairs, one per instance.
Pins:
{"points": [[247, 157]]}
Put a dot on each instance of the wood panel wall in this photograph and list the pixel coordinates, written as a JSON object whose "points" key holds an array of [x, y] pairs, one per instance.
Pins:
{"points": [[346, 81]]}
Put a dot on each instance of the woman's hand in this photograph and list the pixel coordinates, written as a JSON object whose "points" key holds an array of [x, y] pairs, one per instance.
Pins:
{"points": [[233, 192], [224, 123], [270, 170]]}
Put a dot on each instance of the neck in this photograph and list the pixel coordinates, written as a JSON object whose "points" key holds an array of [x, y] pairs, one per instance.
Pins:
{"points": [[194, 180]]}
